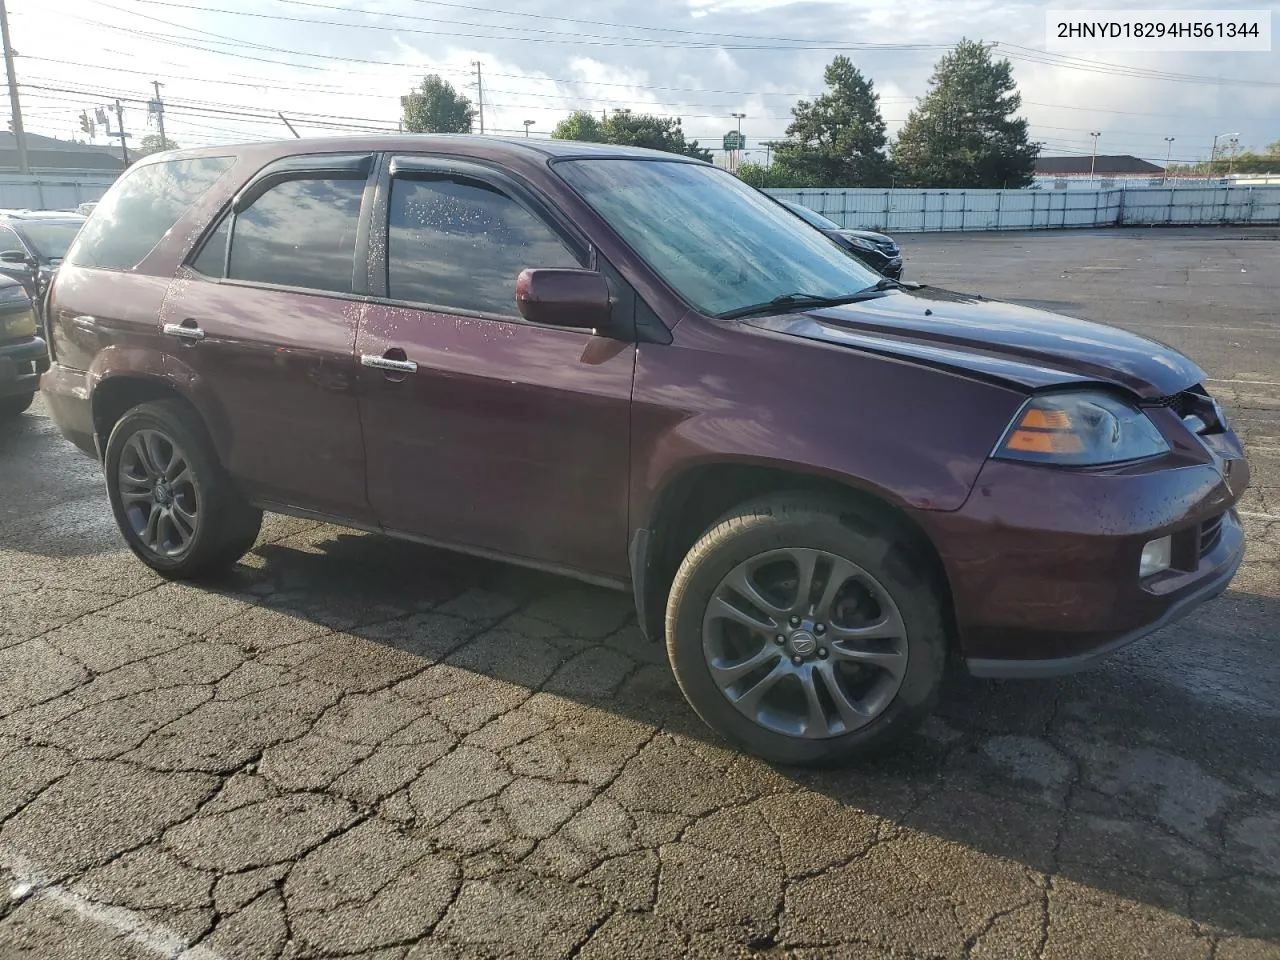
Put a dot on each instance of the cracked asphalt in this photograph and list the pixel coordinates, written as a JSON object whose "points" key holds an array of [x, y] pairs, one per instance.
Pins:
{"points": [[357, 747]]}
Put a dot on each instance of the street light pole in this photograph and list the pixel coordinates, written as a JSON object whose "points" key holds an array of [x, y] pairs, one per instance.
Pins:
{"points": [[1231, 158], [1094, 162], [1213, 153], [527, 125], [1168, 156], [739, 117]]}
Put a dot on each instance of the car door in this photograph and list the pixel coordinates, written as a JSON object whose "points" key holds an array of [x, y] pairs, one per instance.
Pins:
{"points": [[490, 433], [23, 271], [264, 316]]}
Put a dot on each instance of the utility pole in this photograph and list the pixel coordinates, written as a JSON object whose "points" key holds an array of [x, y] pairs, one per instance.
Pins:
{"points": [[295, 133], [1094, 162], [157, 111], [19, 135], [1231, 159], [124, 147], [527, 125], [479, 92], [739, 117]]}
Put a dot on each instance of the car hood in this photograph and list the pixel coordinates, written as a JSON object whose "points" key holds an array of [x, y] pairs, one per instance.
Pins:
{"points": [[866, 235], [994, 340]]}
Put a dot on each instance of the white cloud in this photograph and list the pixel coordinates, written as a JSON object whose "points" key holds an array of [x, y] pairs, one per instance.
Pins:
{"points": [[537, 67]]}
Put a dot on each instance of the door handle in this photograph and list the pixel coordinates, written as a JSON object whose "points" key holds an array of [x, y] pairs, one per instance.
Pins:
{"points": [[386, 363], [86, 323], [186, 330]]}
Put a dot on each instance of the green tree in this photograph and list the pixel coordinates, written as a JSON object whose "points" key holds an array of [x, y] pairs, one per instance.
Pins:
{"points": [[963, 132], [838, 139], [628, 129], [579, 125], [152, 143], [772, 177], [435, 107]]}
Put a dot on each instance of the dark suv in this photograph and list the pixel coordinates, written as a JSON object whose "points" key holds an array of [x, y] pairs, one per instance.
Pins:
{"points": [[877, 251], [632, 368], [23, 355]]}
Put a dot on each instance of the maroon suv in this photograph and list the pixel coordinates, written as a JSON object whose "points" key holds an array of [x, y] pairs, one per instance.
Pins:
{"points": [[631, 368]]}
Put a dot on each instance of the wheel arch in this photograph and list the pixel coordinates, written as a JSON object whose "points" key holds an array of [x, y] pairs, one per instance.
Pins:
{"points": [[120, 383], [691, 501]]}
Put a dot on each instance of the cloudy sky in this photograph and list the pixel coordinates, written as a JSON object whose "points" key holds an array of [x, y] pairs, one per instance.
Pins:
{"points": [[227, 66]]}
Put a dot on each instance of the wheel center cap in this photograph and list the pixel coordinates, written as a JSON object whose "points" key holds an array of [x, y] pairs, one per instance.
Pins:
{"points": [[161, 493], [803, 643]]}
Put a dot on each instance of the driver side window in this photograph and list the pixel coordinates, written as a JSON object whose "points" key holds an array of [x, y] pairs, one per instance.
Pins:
{"points": [[459, 244], [9, 242]]}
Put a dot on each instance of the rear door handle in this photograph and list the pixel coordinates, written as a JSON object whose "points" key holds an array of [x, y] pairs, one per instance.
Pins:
{"points": [[186, 330], [386, 363], [85, 322]]}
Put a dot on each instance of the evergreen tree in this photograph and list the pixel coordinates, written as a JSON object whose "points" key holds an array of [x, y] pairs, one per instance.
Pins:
{"points": [[838, 139], [963, 132]]}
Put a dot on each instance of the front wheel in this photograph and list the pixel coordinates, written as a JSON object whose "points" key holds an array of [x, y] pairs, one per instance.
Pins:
{"points": [[172, 500], [12, 406], [805, 631]]}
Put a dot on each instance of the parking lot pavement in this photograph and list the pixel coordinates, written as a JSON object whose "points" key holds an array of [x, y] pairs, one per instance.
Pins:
{"points": [[358, 747]]}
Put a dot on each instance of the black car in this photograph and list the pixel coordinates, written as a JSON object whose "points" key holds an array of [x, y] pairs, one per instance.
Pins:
{"points": [[33, 244], [23, 354], [877, 251]]}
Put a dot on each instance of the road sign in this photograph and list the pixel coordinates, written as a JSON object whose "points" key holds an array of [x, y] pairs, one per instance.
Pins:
{"points": [[733, 140]]}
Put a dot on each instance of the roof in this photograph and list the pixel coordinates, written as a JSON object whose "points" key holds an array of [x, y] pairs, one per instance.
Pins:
{"points": [[1103, 165], [475, 145], [48, 153]]}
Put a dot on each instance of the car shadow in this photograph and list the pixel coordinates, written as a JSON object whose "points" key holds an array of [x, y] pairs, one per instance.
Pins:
{"points": [[1132, 778]]}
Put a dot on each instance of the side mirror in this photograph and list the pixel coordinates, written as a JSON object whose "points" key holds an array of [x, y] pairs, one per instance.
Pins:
{"points": [[563, 298], [15, 256]]}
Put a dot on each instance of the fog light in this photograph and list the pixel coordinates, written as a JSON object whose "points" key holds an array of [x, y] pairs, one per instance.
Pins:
{"points": [[1156, 556]]}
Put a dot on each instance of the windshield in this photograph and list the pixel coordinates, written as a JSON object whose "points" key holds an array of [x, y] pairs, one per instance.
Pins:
{"points": [[51, 238], [811, 216], [720, 244]]}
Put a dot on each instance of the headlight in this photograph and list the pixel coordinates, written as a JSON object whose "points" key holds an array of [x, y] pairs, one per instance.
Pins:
{"points": [[1080, 429], [861, 244], [19, 324]]}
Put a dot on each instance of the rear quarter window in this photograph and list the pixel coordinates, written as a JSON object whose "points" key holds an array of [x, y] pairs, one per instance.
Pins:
{"points": [[141, 208]]}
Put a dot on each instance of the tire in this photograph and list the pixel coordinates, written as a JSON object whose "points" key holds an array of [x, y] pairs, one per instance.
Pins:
{"points": [[886, 583], [13, 406], [157, 435]]}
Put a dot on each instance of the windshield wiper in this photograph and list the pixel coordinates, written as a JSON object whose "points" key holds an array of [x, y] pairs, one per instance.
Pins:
{"points": [[790, 301]]}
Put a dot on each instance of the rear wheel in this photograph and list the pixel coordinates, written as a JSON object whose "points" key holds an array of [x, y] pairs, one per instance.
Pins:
{"points": [[12, 406], [172, 500], [805, 631]]}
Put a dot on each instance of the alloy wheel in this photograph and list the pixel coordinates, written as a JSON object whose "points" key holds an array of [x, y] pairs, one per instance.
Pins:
{"points": [[805, 642], [159, 493]]}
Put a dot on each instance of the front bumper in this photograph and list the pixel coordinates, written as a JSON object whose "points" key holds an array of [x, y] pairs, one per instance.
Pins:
{"points": [[1043, 563], [21, 365]]}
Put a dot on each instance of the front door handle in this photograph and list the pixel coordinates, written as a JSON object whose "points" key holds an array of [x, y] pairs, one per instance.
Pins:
{"points": [[186, 330], [388, 363]]}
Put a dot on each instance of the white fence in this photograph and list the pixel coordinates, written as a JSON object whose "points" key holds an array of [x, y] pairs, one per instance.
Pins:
{"points": [[914, 211], [50, 192]]}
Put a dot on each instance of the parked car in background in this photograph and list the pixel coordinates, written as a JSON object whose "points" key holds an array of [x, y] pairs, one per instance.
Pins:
{"points": [[632, 368], [23, 354], [85, 209], [877, 251], [32, 244]]}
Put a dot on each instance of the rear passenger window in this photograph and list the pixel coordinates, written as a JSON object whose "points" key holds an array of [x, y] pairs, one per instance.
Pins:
{"points": [[300, 233], [140, 209], [460, 244]]}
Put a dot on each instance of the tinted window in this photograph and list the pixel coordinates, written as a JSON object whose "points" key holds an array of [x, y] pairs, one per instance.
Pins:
{"points": [[9, 242], [141, 208], [460, 244], [51, 238], [300, 233], [213, 254]]}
